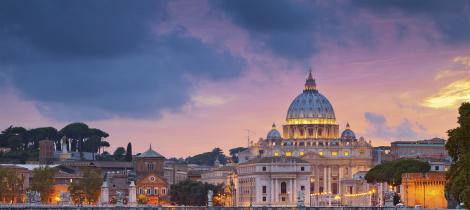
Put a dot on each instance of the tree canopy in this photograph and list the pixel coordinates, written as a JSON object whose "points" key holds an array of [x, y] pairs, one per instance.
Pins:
{"points": [[458, 146], [11, 186], [43, 182], [208, 158], [24, 143], [88, 189], [193, 193], [391, 171]]}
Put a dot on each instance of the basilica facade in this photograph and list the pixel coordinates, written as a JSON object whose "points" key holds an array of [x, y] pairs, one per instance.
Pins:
{"points": [[312, 134]]}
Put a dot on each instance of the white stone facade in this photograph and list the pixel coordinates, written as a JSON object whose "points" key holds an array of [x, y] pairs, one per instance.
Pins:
{"points": [[272, 181]]}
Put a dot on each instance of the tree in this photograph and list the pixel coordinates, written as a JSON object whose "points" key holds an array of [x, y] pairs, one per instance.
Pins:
{"points": [[92, 144], [91, 185], [37, 134], [192, 193], [208, 158], [104, 144], [119, 153], [76, 132], [88, 189], [43, 182], [234, 153], [76, 193], [11, 186], [391, 171], [458, 146], [129, 152]]}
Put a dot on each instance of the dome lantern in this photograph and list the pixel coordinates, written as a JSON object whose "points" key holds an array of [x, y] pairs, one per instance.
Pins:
{"points": [[310, 84]]}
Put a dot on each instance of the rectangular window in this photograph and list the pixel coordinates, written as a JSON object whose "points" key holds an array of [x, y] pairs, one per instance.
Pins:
{"points": [[302, 153], [276, 153], [346, 153], [321, 153], [264, 198], [302, 188], [288, 154], [334, 153], [264, 168], [436, 168], [264, 189], [302, 168]]}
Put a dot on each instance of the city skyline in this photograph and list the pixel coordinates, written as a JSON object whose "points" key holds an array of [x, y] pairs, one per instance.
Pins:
{"points": [[203, 72]]}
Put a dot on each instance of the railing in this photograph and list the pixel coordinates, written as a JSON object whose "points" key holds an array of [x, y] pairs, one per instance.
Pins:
{"points": [[149, 207]]}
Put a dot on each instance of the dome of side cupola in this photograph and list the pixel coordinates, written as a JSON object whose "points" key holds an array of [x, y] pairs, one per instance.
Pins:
{"points": [[348, 133], [311, 105], [273, 133]]}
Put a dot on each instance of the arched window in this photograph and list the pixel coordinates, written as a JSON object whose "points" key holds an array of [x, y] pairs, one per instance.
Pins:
{"points": [[320, 132], [283, 187], [156, 191]]}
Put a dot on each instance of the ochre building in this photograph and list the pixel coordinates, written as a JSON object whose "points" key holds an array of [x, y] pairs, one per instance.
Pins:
{"points": [[425, 189]]}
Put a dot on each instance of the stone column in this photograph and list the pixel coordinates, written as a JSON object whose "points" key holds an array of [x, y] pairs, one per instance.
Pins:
{"points": [[275, 190], [132, 194], [289, 190], [294, 190], [317, 179], [340, 176], [271, 190], [325, 179], [104, 196], [329, 179]]}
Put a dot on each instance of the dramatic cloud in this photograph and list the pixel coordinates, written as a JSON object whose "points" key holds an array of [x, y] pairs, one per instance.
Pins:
{"points": [[100, 59], [296, 30], [450, 18], [461, 68], [450, 96], [288, 28], [379, 128]]}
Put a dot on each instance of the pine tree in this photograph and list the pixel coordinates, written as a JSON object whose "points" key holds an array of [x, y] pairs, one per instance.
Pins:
{"points": [[129, 152]]}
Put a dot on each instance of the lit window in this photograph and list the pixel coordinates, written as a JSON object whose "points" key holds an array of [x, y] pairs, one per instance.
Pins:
{"points": [[334, 153], [320, 153], [288, 154], [302, 153], [346, 153], [276, 153]]}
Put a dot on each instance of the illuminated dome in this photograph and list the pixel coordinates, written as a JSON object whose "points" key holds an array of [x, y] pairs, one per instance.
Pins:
{"points": [[311, 105], [274, 133], [348, 133]]}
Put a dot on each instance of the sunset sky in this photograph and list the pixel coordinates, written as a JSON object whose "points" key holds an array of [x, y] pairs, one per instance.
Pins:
{"points": [[188, 76]]}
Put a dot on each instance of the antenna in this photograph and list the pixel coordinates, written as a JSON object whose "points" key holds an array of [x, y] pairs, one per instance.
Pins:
{"points": [[249, 133]]}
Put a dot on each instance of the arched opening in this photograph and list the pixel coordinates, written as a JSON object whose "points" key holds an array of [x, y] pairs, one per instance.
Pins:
{"points": [[334, 188], [283, 187]]}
